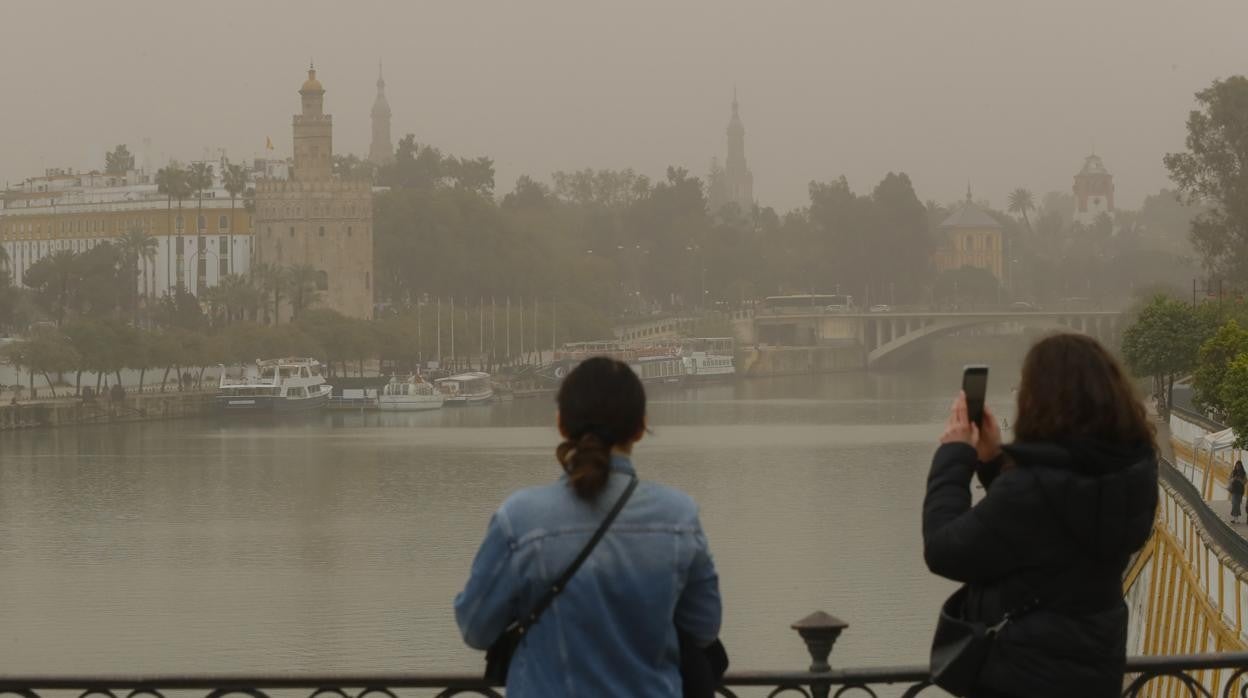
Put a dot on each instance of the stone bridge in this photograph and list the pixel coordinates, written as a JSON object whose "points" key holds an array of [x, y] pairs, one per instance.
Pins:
{"points": [[882, 335]]}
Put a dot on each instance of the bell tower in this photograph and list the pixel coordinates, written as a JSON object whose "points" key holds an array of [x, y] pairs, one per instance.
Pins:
{"points": [[380, 151]]}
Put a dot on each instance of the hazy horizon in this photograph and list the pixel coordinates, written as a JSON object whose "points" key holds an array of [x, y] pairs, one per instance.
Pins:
{"points": [[992, 93]]}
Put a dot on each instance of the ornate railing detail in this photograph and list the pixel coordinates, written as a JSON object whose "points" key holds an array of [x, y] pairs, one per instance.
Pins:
{"points": [[1187, 675]]}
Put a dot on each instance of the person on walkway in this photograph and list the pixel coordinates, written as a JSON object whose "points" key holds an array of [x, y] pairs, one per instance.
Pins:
{"points": [[1236, 487], [1066, 505], [612, 631]]}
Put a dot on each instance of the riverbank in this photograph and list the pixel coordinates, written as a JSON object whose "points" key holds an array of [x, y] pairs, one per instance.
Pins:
{"points": [[139, 407]]}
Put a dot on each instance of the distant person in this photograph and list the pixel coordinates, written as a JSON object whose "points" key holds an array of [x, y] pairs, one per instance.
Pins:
{"points": [[612, 631], [1236, 488], [1066, 505]]}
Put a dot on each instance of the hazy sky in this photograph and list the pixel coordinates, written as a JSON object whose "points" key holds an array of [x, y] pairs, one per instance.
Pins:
{"points": [[1004, 93]]}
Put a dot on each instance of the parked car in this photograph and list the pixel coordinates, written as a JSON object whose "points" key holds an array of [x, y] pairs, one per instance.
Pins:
{"points": [[881, 308], [1023, 306]]}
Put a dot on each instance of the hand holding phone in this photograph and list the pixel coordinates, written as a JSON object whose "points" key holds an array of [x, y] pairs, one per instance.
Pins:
{"points": [[975, 386]]}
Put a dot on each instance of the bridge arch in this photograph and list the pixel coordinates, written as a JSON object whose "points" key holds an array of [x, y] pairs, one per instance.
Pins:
{"points": [[886, 334]]}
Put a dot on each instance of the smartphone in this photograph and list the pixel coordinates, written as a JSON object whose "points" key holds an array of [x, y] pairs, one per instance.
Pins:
{"points": [[975, 385]]}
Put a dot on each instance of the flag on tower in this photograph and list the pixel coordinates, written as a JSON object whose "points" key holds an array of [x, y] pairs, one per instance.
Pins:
{"points": [[268, 143]]}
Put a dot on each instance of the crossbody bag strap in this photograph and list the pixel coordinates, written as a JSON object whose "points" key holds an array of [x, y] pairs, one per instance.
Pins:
{"points": [[559, 584]]}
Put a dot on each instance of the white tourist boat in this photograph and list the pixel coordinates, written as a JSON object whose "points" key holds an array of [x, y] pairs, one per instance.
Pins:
{"points": [[710, 358], [274, 385], [411, 394], [472, 388]]}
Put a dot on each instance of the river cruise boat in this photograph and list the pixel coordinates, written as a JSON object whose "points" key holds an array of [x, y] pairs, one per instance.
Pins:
{"points": [[660, 369], [412, 394], [473, 388], [710, 358], [274, 385]]}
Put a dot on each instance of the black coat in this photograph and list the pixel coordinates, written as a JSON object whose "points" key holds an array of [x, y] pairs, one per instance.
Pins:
{"points": [[1059, 526]]}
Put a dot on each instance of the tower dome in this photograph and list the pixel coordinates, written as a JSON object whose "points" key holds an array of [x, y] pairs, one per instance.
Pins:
{"points": [[311, 84]]}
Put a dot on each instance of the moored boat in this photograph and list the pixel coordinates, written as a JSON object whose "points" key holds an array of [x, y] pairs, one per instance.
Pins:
{"points": [[472, 388], [710, 358], [659, 369], [274, 385], [409, 395]]}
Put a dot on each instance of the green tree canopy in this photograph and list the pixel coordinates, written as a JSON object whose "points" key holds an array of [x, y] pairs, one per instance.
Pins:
{"points": [[118, 161]]}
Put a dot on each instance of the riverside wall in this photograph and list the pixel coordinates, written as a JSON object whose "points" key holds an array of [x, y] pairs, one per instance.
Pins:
{"points": [[133, 408]]}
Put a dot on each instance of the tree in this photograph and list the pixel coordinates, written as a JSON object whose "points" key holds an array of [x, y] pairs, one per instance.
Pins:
{"points": [[174, 182], [54, 279], [1214, 171], [1213, 361], [273, 282], [199, 178], [1021, 201], [352, 166], [234, 179], [137, 250], [119, 161], [1233, 397], [973, 285], [305, 287], [1162, 344]]}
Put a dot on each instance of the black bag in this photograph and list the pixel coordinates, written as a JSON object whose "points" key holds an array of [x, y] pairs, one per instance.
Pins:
{"points": [[498, 656], [701, 668], [960, 646]]}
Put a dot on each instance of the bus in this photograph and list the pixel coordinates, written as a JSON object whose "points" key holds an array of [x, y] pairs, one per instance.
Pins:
{"points": [[808, 304]]}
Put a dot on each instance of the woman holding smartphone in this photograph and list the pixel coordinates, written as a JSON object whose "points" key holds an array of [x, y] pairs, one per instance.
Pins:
{"points": [[1066, 505]]}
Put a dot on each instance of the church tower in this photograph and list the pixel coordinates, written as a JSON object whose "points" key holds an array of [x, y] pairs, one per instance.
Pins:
{"points": [[739, 182], [313, 130], [1094, 190], [381, 152]]}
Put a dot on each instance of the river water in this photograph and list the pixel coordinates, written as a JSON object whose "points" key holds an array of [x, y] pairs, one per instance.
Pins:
{"points": [[337, 544]]}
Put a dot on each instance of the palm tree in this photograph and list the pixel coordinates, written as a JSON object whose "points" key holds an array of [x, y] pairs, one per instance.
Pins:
{"points": [[304, 287], [273, 282], [137, 248], [199, 178], [1021, 201], [237, 295], [174, 182], [234, 178]]}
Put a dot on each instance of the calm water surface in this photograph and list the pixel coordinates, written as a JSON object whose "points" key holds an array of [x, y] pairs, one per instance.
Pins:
{"points": [[337, 544]]}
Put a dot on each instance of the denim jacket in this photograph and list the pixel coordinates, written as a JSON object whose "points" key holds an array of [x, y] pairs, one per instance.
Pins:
{"points": [[612, 632]]}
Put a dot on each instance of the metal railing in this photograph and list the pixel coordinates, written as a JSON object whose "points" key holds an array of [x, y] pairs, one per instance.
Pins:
{"points": [[1176, 675]]}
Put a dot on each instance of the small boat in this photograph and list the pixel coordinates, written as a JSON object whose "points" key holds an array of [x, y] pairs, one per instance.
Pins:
{"points": [[274, 385], [410, 395], [473, 388]]}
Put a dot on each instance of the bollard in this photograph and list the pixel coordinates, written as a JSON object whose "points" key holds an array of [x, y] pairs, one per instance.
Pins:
{"points": [[819, 631]]}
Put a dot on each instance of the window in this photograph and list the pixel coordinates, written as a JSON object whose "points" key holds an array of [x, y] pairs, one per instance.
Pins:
{"points": [[203, 243], [203, 267], [223, 246], [270, 230], [322, 281], [367, 281], [202, 220], [223, 223], [178, 223], [322, 231], [966, 243], [224, 268], [292, 231], [179, 248], [348, 231]]}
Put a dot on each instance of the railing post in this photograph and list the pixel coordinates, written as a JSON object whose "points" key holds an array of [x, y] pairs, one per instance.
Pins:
{"points": [[819, 631]]}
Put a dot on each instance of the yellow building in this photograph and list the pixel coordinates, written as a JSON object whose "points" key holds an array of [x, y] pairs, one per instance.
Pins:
{"points": [[198, 240], [969, 237]]}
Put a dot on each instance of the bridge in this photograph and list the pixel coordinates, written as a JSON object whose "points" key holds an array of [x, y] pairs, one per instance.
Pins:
{"points": [[885, 334]]}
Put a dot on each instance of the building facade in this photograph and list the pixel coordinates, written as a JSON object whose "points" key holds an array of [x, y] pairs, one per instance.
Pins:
{"points": [[734, 183], [381, 149], [1094, 190], [199, 239], [969, 237], [314, 219]]}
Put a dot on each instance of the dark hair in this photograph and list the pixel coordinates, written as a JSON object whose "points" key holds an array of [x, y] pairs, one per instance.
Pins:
{"points": [[1073, 388], [602, 404]]}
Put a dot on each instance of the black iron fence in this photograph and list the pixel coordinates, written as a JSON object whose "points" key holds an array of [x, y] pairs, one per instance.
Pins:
{"points": [[1198, 676]]}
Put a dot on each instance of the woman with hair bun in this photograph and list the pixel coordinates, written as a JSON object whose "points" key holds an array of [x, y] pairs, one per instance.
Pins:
{"points": [[611, 630]]}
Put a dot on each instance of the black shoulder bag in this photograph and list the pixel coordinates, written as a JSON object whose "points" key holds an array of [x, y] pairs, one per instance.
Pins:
{"points": [[960, 646], [498, 656]]}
